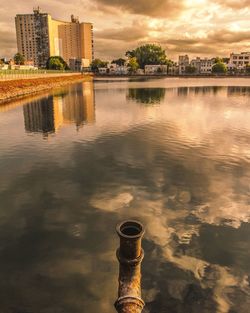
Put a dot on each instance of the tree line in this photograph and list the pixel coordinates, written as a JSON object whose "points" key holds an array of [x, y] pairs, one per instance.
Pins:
{"points": [[138, 58], [148, 54], [53, 62]]}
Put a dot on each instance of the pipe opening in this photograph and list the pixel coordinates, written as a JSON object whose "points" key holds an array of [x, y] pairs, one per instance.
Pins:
{"points": [[130, 229]]}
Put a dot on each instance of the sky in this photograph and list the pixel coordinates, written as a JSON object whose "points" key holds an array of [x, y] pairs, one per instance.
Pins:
{"points": [[196, 27]]}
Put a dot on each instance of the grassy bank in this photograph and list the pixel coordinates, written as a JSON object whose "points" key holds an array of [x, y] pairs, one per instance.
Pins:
{"points": [[22, 87]]}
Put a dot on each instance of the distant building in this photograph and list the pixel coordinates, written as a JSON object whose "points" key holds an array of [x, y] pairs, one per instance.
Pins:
{"points": [[156, 69], [183, 63], [115, 69], [78, 65], [173, 69], [4, 60], [23, 67], [39, 37], [103, 70], [239, 61], [197, 64], [206, 66], [203, 66], [4, 66]]}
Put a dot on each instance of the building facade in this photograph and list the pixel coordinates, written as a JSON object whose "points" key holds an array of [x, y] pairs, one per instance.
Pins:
{"points": [[197, 64], [156, 69], [203, 66], [78, 65], [39, 36], [206, 66], [183, 63], [114, 69], [239, 61]]}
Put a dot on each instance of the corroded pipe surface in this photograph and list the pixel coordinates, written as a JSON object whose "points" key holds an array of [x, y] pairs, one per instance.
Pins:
{"points": [[130, 255]]}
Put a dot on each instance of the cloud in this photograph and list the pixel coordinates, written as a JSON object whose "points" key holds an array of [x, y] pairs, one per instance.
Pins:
{"points": [[206, 28], [215, 42], [226, 36], [137, 31], [155, 8], [235, 4], [8, 43]]}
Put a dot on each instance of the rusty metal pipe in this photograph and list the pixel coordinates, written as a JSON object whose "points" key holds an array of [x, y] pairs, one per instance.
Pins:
{"points": [[130, 255]]}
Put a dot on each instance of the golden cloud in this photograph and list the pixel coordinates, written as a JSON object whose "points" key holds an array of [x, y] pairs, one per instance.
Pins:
{"points": [[155, 8]]}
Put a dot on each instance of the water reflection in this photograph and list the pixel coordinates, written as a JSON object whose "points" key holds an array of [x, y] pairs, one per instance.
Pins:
{"points": [[146, 95], [239, 91], [78, 105], [150, 96], [206, 90], [47, 115], [185, 173], [42, 116]]}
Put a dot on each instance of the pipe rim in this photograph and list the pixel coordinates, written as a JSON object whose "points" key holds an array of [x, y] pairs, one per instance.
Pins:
{"points": [[121, 301], [130, 229]]}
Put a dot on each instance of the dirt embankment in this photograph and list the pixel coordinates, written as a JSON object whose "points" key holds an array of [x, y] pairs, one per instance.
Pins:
{"points": [[22, 87]]}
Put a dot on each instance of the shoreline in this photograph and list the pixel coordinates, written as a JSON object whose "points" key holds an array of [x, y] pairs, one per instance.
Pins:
{"points": [[20, 88], [125, 77]]}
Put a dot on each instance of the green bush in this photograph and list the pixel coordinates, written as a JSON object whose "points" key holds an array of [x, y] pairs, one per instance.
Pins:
{"points": [[56, 63]]}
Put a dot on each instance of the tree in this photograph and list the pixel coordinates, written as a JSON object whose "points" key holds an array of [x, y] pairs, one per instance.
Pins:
{"points": [[225, 60], [119, 62], [19, 59], [149, 54], [97, 63], [190, 69], [219, 68], [218, 60], [56, 63], [248, 68], [130, 54], [133, 65]]}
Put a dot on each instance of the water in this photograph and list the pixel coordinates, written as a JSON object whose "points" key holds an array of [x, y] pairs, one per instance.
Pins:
{"points": [[174, 154]]}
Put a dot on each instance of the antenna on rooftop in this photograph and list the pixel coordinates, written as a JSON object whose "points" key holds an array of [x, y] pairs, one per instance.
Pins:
{"points": [[74, 19], [36, 10]]}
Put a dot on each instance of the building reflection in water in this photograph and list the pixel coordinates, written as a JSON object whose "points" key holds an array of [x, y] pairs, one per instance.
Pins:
{"points": [[47, 115], [238, 91], [42, 116], [78, 105]]}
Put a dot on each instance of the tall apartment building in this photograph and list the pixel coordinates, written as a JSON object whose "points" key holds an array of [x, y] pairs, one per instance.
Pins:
{"points": [[39, 36]]}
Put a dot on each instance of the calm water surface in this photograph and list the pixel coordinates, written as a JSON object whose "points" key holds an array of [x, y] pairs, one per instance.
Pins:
{"points": [[173, 153]]}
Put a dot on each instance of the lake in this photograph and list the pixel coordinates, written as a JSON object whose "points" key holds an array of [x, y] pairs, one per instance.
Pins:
{"points": [[172, 153]]}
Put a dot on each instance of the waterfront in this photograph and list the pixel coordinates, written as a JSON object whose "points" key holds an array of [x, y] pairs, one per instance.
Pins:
{"points": [[173, 153], [18, 86]]}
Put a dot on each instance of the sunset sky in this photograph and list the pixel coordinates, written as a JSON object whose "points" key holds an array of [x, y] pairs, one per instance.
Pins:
{"points": [[195, 27]]}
